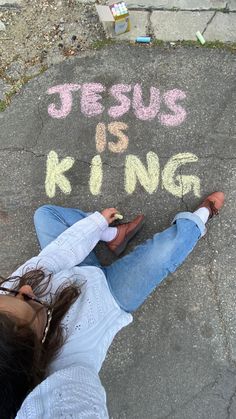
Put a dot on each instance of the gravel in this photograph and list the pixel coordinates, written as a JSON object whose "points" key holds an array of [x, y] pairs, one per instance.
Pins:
{"points": [[39, 33]]}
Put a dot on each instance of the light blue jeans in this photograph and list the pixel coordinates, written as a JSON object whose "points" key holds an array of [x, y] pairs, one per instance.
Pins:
{"points": [[134, 276]]}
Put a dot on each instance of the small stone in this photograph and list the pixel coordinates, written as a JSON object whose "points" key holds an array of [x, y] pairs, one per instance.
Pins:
{"points": [[73, 38], [34, 70], [43, 55], [16, 70], [2, 26]]}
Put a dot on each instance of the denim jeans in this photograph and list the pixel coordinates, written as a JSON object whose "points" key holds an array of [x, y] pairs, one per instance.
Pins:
{"points": [[132, 277]]}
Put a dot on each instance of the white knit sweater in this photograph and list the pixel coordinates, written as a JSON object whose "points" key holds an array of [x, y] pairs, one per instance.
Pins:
{"points": [[73, 388]]}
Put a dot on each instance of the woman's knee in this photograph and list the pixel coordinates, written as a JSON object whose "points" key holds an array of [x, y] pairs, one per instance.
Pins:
{"points": [[42, 212]]}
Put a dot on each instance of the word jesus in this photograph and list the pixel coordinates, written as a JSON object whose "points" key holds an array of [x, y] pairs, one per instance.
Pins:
{"points": [[126, 97]]}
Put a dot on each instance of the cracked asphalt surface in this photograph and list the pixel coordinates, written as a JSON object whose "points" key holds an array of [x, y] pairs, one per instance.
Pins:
{"points": [[178, 358]]}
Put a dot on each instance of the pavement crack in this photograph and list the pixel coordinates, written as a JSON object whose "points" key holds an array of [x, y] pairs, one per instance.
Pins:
{"points": [[22, 150], [216, 297], [205, 157], [226, 10], [25, 150], [215, 156], [207, 386], [143, 7], [78, 160], [88, 163], [209, 22], [41, 121], [230, 403], [150, 30]]}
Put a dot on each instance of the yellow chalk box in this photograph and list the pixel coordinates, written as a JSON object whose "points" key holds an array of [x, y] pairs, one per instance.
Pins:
{"points": [[114, 17], [121, 15]]}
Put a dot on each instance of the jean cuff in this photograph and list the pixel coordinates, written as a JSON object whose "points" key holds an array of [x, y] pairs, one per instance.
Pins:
{"points": [[193, 217]]}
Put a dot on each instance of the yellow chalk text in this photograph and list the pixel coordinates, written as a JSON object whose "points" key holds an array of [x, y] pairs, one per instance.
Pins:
{"points": [[135, 170], [55, 174], [148, 174], [178, 184], [96, 175]]}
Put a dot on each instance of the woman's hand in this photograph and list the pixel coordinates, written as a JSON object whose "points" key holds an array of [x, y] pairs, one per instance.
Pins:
{"points": [[109, 214]]}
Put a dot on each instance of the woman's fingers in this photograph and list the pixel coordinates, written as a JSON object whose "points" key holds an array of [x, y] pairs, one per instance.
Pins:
{"points": [[109, 214], [113, 210]]}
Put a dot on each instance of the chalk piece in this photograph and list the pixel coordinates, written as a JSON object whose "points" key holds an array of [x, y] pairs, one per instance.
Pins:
{"points": [[143, 39], [118, 217], [200, 37]]}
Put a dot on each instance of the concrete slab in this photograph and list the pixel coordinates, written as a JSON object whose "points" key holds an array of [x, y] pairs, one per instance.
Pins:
{"points": [[222, 28], [178, 4], [175, 26], [232, 5], [177, 359]]}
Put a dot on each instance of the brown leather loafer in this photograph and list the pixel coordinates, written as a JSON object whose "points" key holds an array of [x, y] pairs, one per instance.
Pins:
{"points": [[213, 203], [125, 232]]}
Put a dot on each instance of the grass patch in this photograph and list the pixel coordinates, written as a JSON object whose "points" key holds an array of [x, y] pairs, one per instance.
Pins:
{"points": [[8, 96], [16, 87], [3, 105], [103, 43], [158, 42], [209, 44], [219, 44]]}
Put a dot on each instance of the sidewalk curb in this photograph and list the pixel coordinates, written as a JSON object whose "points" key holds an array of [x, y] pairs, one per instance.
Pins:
{"points": [[182, 25]]}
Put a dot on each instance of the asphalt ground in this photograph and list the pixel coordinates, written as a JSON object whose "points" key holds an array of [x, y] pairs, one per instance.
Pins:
{"points": [[178, 358]]}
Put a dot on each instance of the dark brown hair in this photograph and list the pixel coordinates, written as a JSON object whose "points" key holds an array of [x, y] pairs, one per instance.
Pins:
{"points": [[24, 360]]}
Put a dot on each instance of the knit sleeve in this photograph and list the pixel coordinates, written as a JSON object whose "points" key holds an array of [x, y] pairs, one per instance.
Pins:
{"points": [[70, 248], [74, 392]]}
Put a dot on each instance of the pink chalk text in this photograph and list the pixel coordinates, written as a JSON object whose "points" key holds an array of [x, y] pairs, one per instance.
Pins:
{"points": [[128, 98], [64, 90]]}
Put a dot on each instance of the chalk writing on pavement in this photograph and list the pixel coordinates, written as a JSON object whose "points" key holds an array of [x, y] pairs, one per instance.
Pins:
{"points": [[129, 99]]}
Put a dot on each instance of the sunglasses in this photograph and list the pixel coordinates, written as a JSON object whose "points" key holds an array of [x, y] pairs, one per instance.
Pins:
{"points": [[29, 297]]}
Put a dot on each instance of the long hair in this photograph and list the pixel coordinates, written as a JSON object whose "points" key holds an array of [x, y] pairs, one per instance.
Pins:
{"points": [[24, 360]]}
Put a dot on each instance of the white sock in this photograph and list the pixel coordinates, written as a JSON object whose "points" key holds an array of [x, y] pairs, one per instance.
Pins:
{"points": [[108, 234], [203, 213]]}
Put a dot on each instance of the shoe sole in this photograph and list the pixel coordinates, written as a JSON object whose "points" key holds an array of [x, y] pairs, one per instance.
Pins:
{"points": [[123, 245]]}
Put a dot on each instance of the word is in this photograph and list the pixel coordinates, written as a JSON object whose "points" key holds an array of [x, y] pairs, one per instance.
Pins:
{"points": [[126, 97], [150, 177], [116, 129]]}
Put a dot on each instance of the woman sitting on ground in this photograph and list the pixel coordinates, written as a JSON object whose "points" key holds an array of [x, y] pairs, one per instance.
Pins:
{"points": [[60, 311]]}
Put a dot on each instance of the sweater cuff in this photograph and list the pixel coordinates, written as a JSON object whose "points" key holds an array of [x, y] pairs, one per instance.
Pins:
{"points": [[100, 220]]}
